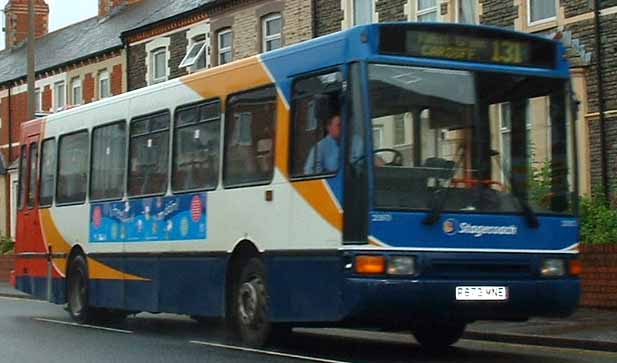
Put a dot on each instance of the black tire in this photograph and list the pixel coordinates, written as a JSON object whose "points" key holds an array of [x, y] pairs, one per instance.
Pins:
{"points": [[439, 335], [251, 305], [78, 292]]}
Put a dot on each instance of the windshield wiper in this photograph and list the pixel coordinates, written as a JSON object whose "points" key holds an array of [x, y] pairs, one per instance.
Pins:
{"points": [[437, 202]]}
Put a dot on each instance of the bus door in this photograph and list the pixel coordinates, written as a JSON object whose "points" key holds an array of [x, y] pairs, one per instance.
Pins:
{"points": [[28, 221]]}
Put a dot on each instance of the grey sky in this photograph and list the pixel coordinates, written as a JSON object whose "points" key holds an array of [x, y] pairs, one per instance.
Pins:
{"points": [[62, 13]]}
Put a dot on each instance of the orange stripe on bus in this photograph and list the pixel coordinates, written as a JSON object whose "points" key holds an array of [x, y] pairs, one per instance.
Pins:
{"points": [[230, 78], [316, 193], [96, 269]]}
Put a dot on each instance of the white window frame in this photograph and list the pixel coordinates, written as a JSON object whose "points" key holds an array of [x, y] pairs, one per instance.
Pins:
{"points": [[155, 46], [544, 20], [38, 100], [353, 12], [196, 32], [189, 61], [76, 83], [265, 38], [458, 13], [432, 9], [104, 76], [57, 106], [379, 131], [153, 55], [349, 16], [221, 50]]}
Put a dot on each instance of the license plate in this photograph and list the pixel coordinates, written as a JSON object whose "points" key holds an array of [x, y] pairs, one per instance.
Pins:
{"points": [[481, 293]]}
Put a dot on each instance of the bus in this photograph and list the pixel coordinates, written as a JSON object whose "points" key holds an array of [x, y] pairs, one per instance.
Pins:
{"points": [[398, 176]]}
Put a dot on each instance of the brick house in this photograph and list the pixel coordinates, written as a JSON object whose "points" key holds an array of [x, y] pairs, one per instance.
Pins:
{"points": [[570, 20], [211, 34], [78, 64]]}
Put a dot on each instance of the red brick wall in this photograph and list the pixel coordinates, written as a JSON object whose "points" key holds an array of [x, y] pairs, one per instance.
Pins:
{"points": [[116, 80], [599, 278], [7, 263], [88, 88]]}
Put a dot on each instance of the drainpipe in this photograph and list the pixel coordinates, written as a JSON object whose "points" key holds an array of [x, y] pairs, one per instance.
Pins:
{"points": [[601, 100], [9, 162]]}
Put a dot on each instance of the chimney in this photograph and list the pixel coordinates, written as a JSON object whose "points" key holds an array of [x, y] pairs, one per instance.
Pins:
{"points": [[106, 7], [16, 12]]}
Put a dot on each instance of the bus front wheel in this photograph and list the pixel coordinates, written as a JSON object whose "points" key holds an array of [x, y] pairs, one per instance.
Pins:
{"points": [[439, 335], [252, 305], [78, 291]]}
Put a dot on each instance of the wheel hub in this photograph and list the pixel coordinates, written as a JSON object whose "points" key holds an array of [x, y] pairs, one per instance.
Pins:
{"points": [[248, 302]]}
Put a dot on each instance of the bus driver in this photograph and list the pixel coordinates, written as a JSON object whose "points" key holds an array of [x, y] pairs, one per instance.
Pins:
{"points": [[323, 157]]}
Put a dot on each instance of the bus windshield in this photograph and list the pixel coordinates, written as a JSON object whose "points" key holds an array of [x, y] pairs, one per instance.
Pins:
{"points": [[475, 142]]}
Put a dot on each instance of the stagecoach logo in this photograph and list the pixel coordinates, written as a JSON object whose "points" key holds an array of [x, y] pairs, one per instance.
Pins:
{"points": [[449, 227], [452, 227]]}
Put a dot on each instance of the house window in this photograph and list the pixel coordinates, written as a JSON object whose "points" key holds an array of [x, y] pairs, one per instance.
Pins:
{"points": [[363, 11], [426, 10], [60, 98], [37, 100], [158, 59], [272, 26], [225, 47], [76, 91], [196, 56], [104, 90], [466, 12], [505, 110], [542, 10]]}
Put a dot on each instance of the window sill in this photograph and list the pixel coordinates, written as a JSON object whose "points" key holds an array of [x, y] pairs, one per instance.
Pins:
{"points": [[542, 25]]}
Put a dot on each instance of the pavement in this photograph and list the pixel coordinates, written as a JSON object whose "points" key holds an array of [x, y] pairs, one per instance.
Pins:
{"points": [[589, 329]]}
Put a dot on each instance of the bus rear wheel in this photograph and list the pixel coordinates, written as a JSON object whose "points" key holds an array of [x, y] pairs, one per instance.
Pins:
{"points": [[251, 304], [439, 335]]}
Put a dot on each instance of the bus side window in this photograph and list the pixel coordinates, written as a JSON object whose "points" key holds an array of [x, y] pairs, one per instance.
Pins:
{"points": [[108, 161], [72, 168], [34, 157], [48, 172], [249, 137], [316, 105], [196, 147], [23, 177], [149, 155]]}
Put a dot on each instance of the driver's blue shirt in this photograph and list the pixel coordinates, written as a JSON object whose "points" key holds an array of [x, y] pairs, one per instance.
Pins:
{"points": [[323, 157]]}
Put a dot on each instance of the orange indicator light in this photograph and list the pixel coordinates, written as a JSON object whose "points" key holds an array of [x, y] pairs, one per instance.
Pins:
{"points": [[370, 265]]}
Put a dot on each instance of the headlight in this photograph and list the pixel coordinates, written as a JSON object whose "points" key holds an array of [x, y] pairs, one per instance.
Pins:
{"points": [[553, 267], [402, 265]]}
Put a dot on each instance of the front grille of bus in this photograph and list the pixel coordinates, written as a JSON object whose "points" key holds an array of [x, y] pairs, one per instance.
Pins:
{"points": [[477, 269]]}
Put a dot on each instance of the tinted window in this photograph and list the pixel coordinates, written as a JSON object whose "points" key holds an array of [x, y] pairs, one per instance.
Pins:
{"points": [[249, 137], [149, 155], [23, 175], [316, 125], [34, 158], [48, 171], [108, 161], [72, 168], [196, 147]]}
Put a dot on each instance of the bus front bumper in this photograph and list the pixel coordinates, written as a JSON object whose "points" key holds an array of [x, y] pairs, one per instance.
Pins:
{"points": [[404, 301]]}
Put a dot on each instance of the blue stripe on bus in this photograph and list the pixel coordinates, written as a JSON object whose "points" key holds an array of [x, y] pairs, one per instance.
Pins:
{"points": [[478, 231], [37, 288]]}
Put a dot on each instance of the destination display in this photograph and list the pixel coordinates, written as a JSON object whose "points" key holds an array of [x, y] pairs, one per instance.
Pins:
{"points": [[478, 46]]}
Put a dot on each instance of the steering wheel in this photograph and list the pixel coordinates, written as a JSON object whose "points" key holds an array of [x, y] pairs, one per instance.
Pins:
{"points": [[397, 159]]}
